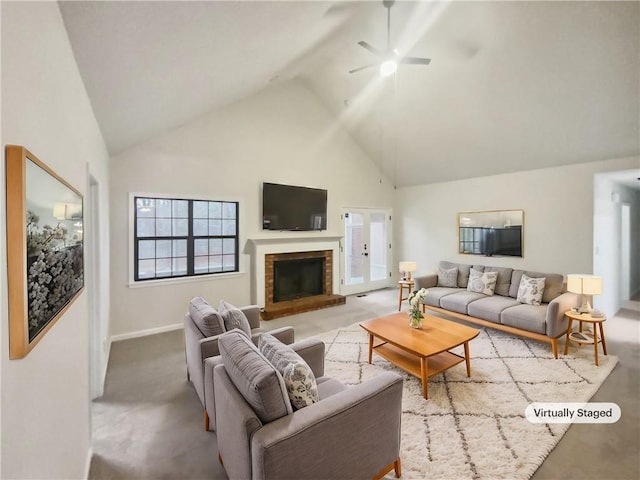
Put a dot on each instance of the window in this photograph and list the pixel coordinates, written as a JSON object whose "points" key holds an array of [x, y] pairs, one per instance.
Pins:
{"points": [[182, 238]]}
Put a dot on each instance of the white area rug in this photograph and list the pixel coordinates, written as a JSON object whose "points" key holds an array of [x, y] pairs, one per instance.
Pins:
{"points": [[475, 428]]}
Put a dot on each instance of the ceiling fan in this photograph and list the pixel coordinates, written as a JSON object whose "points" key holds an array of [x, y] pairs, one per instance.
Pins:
{"points": [[389, 59]]}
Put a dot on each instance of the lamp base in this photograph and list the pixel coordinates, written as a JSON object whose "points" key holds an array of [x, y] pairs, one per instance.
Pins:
{"points": [[585, 307]]}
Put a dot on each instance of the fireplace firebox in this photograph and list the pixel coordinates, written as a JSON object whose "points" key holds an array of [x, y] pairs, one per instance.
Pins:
{"points": [[297, 279], [298, 282]]}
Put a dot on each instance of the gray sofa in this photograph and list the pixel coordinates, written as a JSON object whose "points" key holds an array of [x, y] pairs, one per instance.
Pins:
{"points": [[351, 432], [545, 322]]}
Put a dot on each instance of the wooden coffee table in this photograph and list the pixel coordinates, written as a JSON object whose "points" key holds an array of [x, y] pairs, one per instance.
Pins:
{"points": [[422, 352]]}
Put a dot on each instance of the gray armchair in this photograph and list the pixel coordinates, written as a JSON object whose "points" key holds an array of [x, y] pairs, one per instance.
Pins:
{"points": [[199, 346], [351, 432]]}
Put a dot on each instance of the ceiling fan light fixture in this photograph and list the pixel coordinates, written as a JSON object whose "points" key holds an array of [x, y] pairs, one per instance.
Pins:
{"points": [[388, 67]]}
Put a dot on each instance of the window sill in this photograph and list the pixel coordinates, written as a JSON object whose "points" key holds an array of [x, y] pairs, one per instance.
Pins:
{"points": [[177, 281]]}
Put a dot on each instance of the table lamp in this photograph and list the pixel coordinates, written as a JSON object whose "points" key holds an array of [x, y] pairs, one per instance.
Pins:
{"points": [[406, 268], [585, 285]]}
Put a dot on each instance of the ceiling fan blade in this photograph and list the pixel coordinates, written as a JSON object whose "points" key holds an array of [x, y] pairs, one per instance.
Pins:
{"points": [[362, 68], [371, 48], [415, 60]]}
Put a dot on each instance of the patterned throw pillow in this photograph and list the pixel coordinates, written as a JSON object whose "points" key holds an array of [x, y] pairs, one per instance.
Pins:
{"points": [[234, 318], [482, 282], [530, 290], [448, 277], [298, 377]]}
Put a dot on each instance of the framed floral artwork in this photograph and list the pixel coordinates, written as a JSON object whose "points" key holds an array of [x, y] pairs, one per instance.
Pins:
{"points": [[45, 259]]}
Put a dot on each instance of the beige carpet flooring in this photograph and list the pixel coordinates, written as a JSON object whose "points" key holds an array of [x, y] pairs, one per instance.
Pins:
{"points": [[148, 424]]}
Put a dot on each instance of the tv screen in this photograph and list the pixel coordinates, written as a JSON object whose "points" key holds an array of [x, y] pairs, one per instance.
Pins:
{"points": [[491, 241], [289, 207]]}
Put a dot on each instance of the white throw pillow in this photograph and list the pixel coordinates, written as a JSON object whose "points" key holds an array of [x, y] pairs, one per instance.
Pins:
{"points": [[530, 290], [298, 377], [482, 282], [448, 277]]}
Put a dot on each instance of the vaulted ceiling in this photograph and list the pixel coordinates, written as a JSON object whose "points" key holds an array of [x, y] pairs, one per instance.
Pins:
{"points": [[511, 86]]}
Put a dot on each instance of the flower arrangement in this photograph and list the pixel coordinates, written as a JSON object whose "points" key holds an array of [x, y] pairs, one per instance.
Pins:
{"points": [[415, 300]]}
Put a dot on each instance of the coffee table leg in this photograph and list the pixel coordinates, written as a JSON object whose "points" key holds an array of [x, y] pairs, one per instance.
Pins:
{"points": [[425, 376], [370, 346], [466, 358]]}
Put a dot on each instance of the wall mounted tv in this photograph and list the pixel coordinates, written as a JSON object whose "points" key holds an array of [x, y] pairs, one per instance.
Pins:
{"points": [[289, 207]]}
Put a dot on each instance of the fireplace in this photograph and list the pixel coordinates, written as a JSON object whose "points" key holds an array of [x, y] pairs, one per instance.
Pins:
{"points": [[298, 282], [297, 278]]}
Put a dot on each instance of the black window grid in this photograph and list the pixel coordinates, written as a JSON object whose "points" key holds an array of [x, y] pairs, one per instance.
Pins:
{"points": [[228, 255]]}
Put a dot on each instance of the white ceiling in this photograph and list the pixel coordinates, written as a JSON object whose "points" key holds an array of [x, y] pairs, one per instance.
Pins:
{"points": [[512, 85]]}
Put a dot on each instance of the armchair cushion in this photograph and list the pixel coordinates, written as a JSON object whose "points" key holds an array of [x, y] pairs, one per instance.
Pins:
{"points": [[234, 318], [298, 377], [254, 376], [206, 318]]}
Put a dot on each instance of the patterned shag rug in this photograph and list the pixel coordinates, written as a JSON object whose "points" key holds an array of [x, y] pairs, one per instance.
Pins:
{"points": [[475, 428]]}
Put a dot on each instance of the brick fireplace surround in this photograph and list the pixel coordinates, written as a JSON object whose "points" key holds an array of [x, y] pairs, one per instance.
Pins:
{"points": [[265, 250], [289, 307]]}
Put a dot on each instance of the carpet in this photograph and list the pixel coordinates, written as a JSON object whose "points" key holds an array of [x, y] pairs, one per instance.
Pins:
{"points": [[475, 428]]}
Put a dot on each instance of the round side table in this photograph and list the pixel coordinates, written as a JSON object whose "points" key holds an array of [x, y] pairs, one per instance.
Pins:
{"points": [[402, 284], [583, 338]]}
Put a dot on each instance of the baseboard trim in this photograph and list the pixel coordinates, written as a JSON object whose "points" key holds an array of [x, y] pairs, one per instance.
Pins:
{"points": [[144, 333]]}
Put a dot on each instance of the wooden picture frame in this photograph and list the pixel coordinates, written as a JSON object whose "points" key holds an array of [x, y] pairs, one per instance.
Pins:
{"points": [[45, 259]]}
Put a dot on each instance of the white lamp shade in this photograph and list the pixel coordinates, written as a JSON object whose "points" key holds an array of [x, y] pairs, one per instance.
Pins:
{"points": [[584, 284], [407, 266]]}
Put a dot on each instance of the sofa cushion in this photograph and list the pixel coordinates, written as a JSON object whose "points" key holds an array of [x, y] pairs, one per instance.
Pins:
{"points": [[482, 282], [435, 294], [527, 317], [463, 272], [490, 308], [234, 318], [504, 279], [298, 377], [205, 317], [257, 380], [530, 290], [459, 301], [448, 277]]}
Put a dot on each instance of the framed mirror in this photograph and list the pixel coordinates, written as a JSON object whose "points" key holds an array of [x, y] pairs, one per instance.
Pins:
{"points": [[491, 233]]}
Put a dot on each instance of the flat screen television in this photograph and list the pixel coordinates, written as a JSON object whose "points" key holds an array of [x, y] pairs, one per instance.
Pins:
{"points": [[289, 207]]}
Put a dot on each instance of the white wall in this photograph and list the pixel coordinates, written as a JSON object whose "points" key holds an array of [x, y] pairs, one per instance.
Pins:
{"points": [[608, 198], [558, 206], [45, 396], [282, 135]]}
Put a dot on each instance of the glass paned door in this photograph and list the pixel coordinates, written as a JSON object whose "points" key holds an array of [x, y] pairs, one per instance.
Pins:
{"points": [[366, 250]]}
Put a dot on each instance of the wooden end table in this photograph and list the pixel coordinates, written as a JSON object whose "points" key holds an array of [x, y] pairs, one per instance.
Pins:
{"points": [[402, 284], [583, 338]]}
